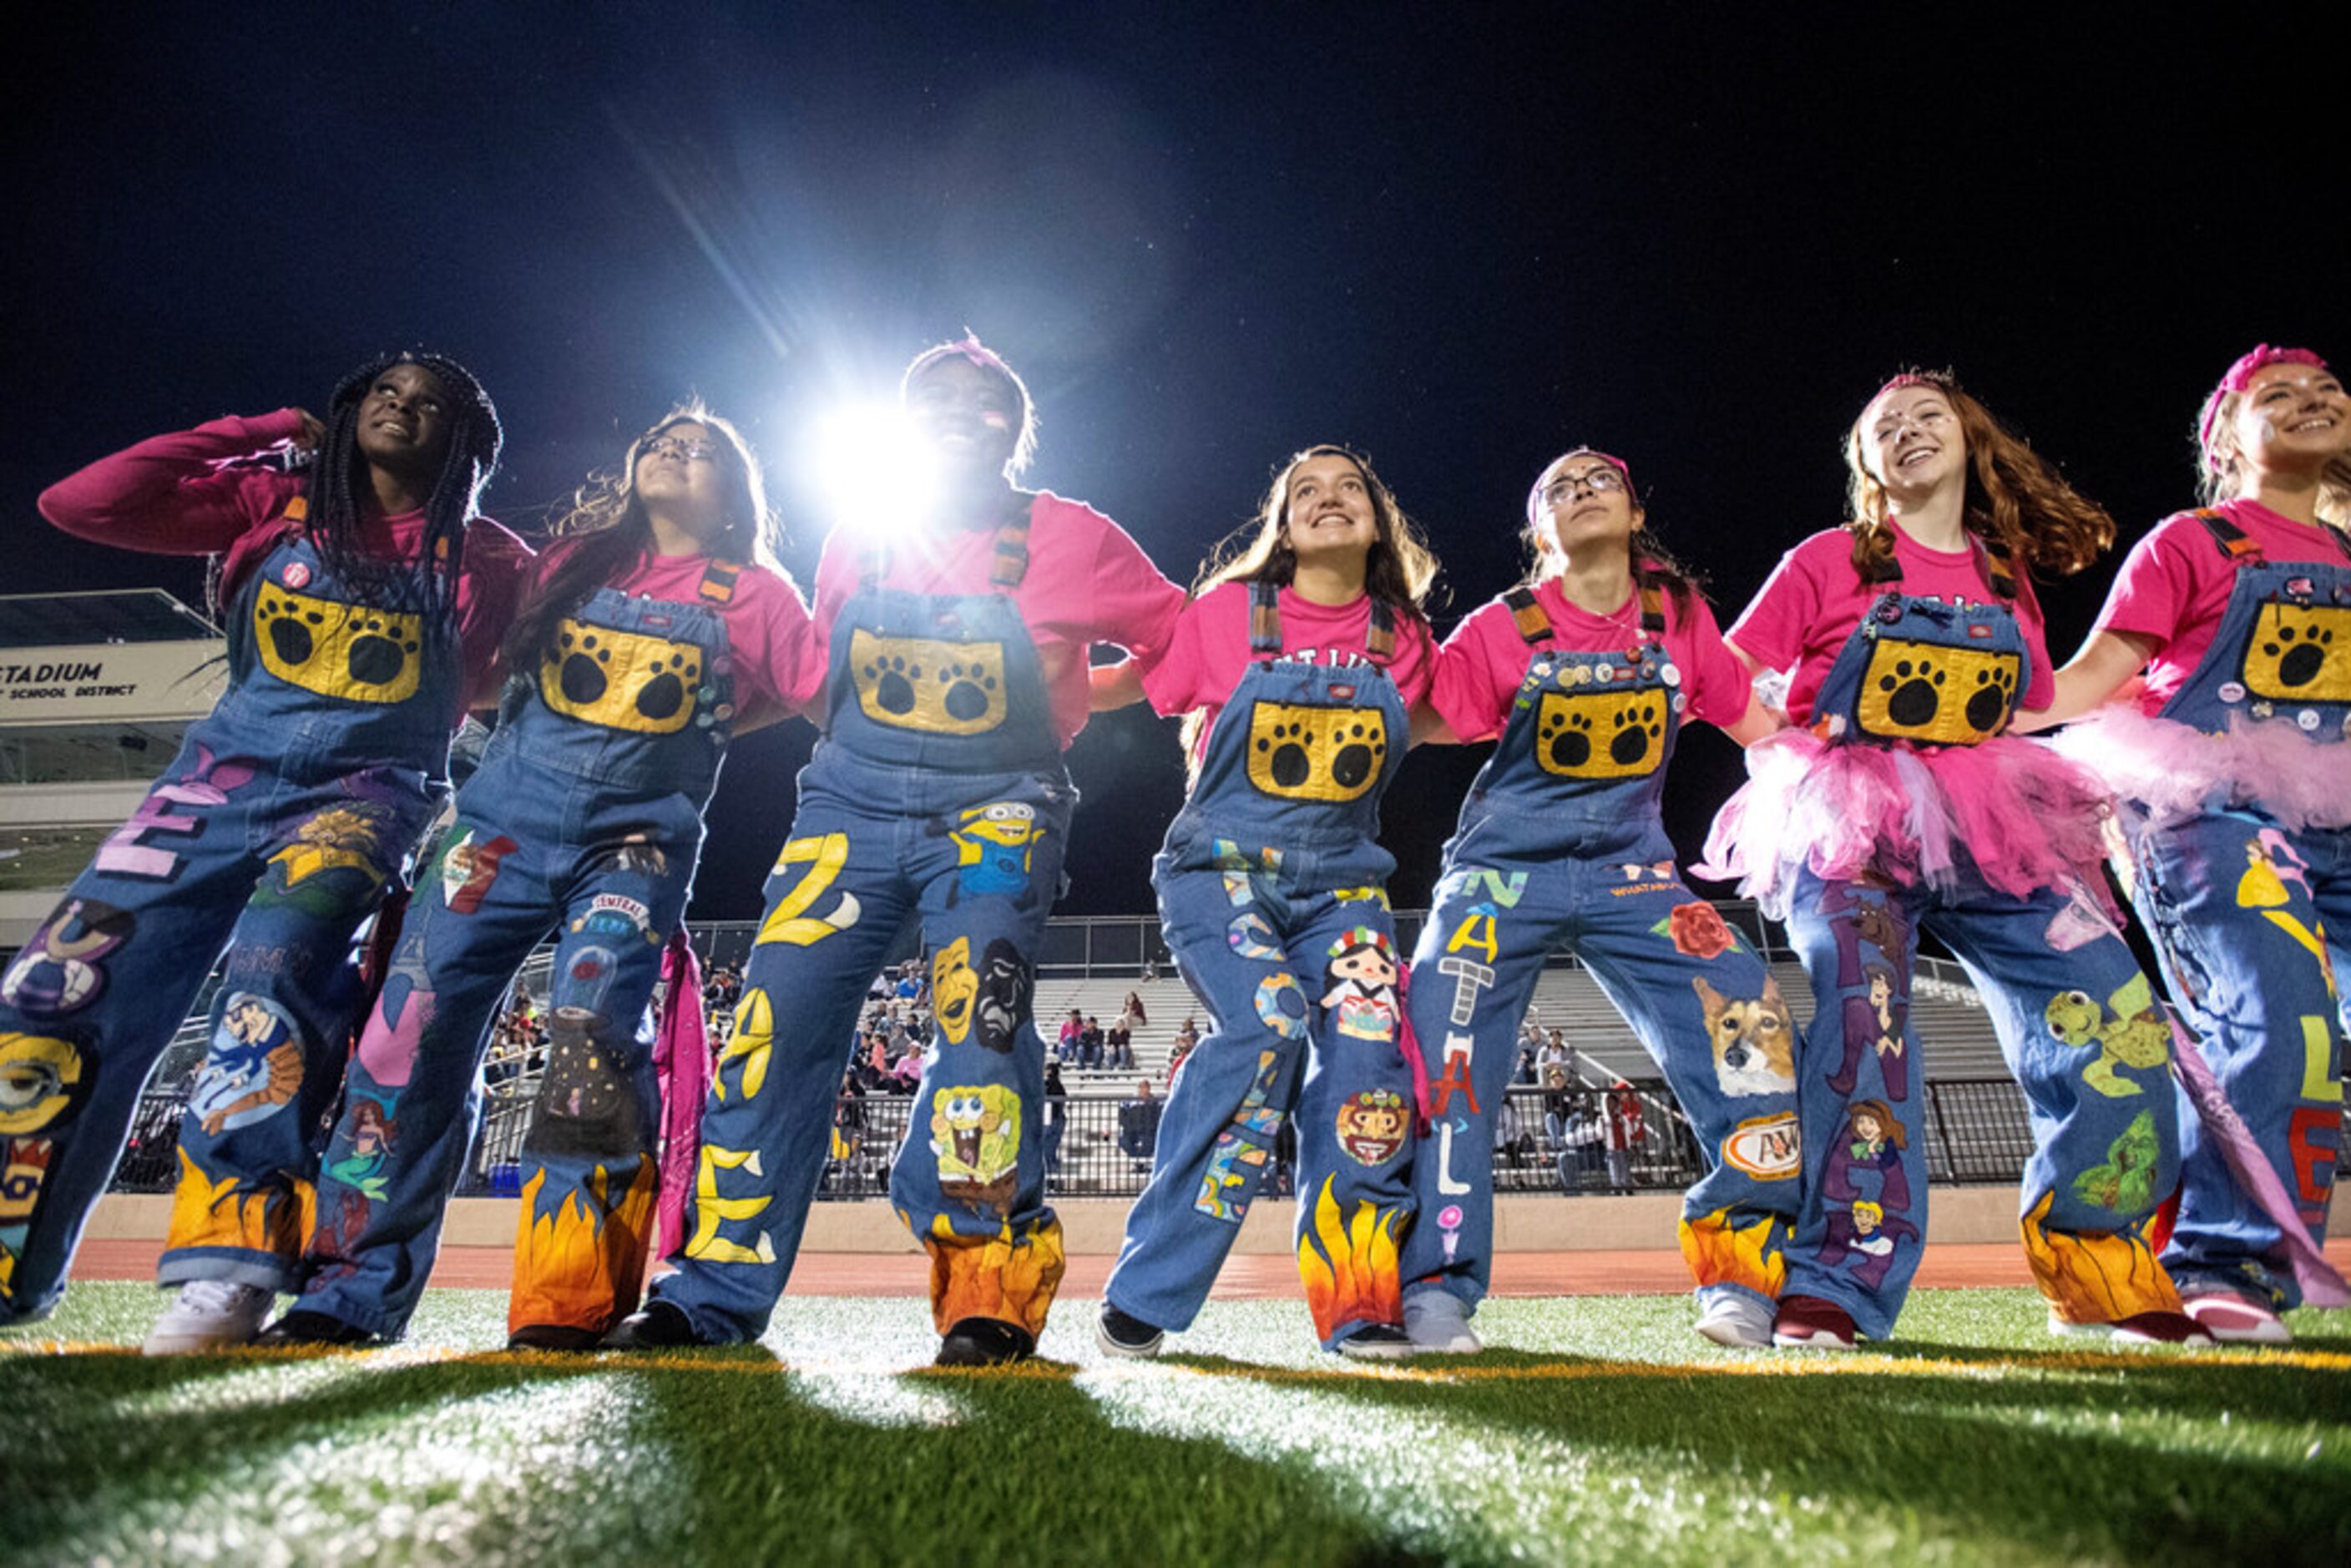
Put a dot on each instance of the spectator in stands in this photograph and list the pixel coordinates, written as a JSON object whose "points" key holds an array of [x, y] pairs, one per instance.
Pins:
{"points": [[1584, 676], [1057, 1120], [1138, 1124], [1071, 1027], [1557, 1053], [1628, 1134], [847, 1135], [1558, 1104], [1132, 1011], [1089, 1043], [276, 831], [660, 596], [1118, 1044], [1151, 971], [1176, 1055]]}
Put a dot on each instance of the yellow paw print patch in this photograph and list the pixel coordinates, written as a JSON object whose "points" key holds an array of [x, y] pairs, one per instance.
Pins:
{"points": [[938, 688], [1937, 695], [1601, 735], [620, 680], [2300, 652], [354, 652], [1302, 752]]}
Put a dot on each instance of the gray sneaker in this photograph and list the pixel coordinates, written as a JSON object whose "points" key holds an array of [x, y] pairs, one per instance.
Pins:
{"points": [[1438, 1323], [208, 1315]]}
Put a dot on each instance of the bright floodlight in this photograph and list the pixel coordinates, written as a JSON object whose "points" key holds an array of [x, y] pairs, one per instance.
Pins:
{"points": [[877, 479]]}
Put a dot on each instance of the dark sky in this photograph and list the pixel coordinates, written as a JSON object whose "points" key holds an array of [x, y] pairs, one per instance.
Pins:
{"points": [[1697, 237]]}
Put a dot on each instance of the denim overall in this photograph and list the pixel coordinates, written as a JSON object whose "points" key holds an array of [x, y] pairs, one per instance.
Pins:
{"points": [[286, 816], [1271, 892], [2078, 1023], [937, 793], [584, 820], [2250, 919], [1561, 842]]}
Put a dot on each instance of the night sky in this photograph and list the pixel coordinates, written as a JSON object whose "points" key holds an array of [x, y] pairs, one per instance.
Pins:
{"points": [[1697, 237]]}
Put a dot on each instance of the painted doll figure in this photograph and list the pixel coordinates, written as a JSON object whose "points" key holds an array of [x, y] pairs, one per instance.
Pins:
{"points": [[659, 619], [1585, 675], [2233, 774], [1900, 803], [364, 599], [1300, 659], [957, 654]]}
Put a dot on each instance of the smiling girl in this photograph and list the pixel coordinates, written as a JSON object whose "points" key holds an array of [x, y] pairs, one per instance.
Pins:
{"points": [[1297, 664]]}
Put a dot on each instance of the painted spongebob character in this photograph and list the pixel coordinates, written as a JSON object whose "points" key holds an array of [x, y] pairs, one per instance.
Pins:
{"points": [[976, 1135]]}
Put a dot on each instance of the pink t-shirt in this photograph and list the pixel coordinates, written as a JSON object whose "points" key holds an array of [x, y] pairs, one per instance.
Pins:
{"points": [[767, 625], [186, 494], [1087, 582], [1205, 659], [2176, 582], [1813, 599], [1481, 665]]}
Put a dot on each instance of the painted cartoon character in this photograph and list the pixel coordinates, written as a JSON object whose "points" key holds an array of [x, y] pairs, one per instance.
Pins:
{"points": [[976, 1135], [58, 970], [954, 988], [370, 1132], [1863, 1232], [1875, 1022], [992, 846], [2126, 1183], [1754, 1039], [1873, 1140], [1362, 1000], [1372, 1125], [254, 1067], [340, 838], [2137, 1035], [1007, 987]]}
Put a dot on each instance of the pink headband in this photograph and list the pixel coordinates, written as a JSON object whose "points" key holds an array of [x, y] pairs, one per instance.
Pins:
{"points": [[2240, 376], [1909, 379], [1534, 496], [969, 347]]}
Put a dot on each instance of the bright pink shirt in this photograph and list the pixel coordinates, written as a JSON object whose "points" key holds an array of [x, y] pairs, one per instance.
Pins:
{"points": [[1813, 599], [186, 494], [1481, 665], [1206, 658], [2176, 582], [767, 625], [1087, 582]]}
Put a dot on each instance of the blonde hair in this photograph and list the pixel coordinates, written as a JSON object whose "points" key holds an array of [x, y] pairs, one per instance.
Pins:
{"points": [[2218, 472]]}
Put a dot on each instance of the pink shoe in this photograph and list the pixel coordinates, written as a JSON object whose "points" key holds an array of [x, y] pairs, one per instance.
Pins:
{"points": [[1809, 1323], [2160, 1328], [2234, 1319]]}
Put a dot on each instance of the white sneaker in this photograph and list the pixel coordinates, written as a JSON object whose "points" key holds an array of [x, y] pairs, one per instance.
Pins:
{"points": [[1736, 1322], [2233, 1319], [209, 1313], [1438, 1323]]}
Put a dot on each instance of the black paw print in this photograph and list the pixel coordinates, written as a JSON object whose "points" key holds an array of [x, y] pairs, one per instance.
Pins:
{"points": [[893, 680], [1637, 725], [1290, 765], [1569, 736], [1913, 684], [289, 628], [580, 674], [1988, 705], [2300, 652], [1361, 746], [673, 677], [378, 648], [967, 696]]}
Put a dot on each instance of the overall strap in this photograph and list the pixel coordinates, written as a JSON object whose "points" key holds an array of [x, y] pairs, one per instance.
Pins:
{"points": [[718, 580], [2234, 542], [1379, 640], [1265, 619], [1652, 612], [1528, 615], [1999, 561], [1011, 562]]}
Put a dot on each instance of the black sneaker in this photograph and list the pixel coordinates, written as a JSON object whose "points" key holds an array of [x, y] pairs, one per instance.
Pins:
{"points": [[1379, 1341], [301, 1326], [560, 1337], [656, 1325], [1123, 1335], [985, 1342]]}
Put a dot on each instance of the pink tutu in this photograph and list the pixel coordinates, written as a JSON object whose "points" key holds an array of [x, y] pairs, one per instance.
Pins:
{"points": [[2167, 770], [2022, 816]]}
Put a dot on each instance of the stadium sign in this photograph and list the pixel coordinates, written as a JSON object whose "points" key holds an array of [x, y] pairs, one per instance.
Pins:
{"points": [[127, 682]]}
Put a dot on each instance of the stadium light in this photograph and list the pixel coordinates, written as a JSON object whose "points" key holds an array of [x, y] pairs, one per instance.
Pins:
{"points": [[875, 476]]}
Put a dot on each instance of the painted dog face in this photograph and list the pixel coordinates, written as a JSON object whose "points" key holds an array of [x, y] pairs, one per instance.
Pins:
{"points": [[1754, 1039]]}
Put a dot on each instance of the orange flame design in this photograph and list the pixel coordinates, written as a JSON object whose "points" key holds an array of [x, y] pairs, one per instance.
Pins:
{"points": [[1721, 1253], [2095, 1276], [1360, 1282], [1005, 1277], [583, 1265], [276, 1219]]}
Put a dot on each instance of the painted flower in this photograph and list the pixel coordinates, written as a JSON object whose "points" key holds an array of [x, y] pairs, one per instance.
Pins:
{"points": [[1699, 930]]}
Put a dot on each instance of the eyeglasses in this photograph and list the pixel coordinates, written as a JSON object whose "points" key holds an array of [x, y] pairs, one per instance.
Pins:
{"points": [[1599, 481], [683, 450]]}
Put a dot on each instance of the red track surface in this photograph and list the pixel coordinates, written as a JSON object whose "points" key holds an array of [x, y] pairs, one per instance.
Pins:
{"points": [[1246, 1276]]}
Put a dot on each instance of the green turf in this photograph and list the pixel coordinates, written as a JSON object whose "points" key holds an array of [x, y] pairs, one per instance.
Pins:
{"points": [[1605, 1430]]}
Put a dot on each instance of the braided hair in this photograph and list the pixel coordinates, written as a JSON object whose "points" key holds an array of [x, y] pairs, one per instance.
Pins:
{"points": [[337, 478]]}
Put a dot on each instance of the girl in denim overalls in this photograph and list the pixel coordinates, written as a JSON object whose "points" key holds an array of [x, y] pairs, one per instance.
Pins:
{"points": [[1308, 653], [661, 621], [364, 601], [957, 673], [1584, 677], [2233, 772], [1899, 802]]}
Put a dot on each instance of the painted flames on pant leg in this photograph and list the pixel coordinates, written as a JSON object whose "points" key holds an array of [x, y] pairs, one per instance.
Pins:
{"points": [[1349, 1264], [2095, 1276], [1722, 1252], [207, 1213], [580, 1263], [1007, 1277]]}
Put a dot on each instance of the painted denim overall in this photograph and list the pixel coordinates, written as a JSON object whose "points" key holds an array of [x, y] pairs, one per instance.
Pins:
{"points": [[2249, 917], [1560, 842], [938, 793], [584, 821], [1271, 892], [2079, 1024], [287, 814]]}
